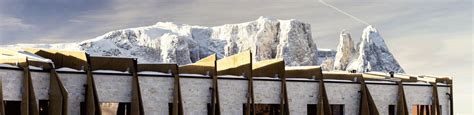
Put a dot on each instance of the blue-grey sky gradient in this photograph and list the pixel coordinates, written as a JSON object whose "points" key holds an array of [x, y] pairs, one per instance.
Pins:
{"points": [[426, 36]]}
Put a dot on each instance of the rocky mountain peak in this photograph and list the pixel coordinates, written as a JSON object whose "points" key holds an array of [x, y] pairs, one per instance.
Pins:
{"points": [[345, 51], [373, 54]]}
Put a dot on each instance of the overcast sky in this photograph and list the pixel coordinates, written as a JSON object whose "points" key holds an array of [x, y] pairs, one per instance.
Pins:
{"points": [[425, 36]]}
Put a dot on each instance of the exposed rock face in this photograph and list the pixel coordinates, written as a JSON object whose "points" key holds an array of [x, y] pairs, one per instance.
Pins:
{"points": [[345, 51], [373, 54], [269, 39]]}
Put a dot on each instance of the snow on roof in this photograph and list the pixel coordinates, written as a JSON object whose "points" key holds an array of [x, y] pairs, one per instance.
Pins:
{"points": [[34, 57], [301, 67]]}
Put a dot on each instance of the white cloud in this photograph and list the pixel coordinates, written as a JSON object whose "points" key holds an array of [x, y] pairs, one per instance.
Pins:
{"points": [[13, 24]]}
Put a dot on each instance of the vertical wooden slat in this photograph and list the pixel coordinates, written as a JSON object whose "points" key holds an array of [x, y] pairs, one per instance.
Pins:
{"points": [[92, 99], [180, 103], [33, 101], [177, 99], [250, 97], [252, 94], [29, 104], [451, 99], [55, 95], [402, 108], [136, 104], [323, 104], [421, 111], [215, 103], [2, 103], [284, 105], [435, 110], [65, 95], [367, 105], [175, 110], [25, 108], [250, 100]]}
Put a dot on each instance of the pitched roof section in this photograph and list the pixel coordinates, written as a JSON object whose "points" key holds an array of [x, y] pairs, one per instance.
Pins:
{"points": [[111, 63], [204, 66], [71, 59], [269, 68], [238, 64], [304, 72]]}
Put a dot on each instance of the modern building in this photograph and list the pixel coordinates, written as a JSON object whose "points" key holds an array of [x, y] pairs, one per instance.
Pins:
{"points": [[53, 82]]}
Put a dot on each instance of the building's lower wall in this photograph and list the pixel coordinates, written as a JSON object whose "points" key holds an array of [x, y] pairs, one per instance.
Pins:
{"points": [[157, 92]]}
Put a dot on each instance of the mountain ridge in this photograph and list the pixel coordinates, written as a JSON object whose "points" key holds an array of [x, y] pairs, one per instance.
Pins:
{"points": [[267, 38]]}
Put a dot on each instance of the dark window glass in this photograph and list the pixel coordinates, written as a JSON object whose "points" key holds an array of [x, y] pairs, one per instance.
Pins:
{"points": [[12, 107], [83, 108], [391, 110], [43, 107], [170, 108], [264, 109], [336, 109], [312, 109]]}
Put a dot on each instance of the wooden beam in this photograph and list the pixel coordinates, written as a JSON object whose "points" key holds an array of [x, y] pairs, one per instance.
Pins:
{"points": [[216, 106], [58, 96], [402, 108], [137, 102], [29, 101], [237, 64], [61, 58], [367, 104], [323, 107], [205, 66], [177, 98], [435, 109], [2, 104], [310, 72], [92, 99], [111, 63], [269, 68]]}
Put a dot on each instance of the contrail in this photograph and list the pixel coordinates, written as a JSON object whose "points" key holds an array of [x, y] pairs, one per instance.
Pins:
{"points": [[343, 12]]}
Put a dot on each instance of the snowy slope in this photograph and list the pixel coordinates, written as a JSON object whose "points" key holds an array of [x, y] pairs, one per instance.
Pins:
{"points": [[180, 43]]}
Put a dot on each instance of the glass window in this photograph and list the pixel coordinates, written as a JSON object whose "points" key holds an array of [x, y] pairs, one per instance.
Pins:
{"points": [[336, 109], [265, 109], [43, 107], [12, 107], [422, 110], [391, 110]]}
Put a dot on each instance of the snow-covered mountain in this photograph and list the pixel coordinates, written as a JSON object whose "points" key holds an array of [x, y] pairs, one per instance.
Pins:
{"points": [[180, 43], [372, 54], [267, 38]]}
